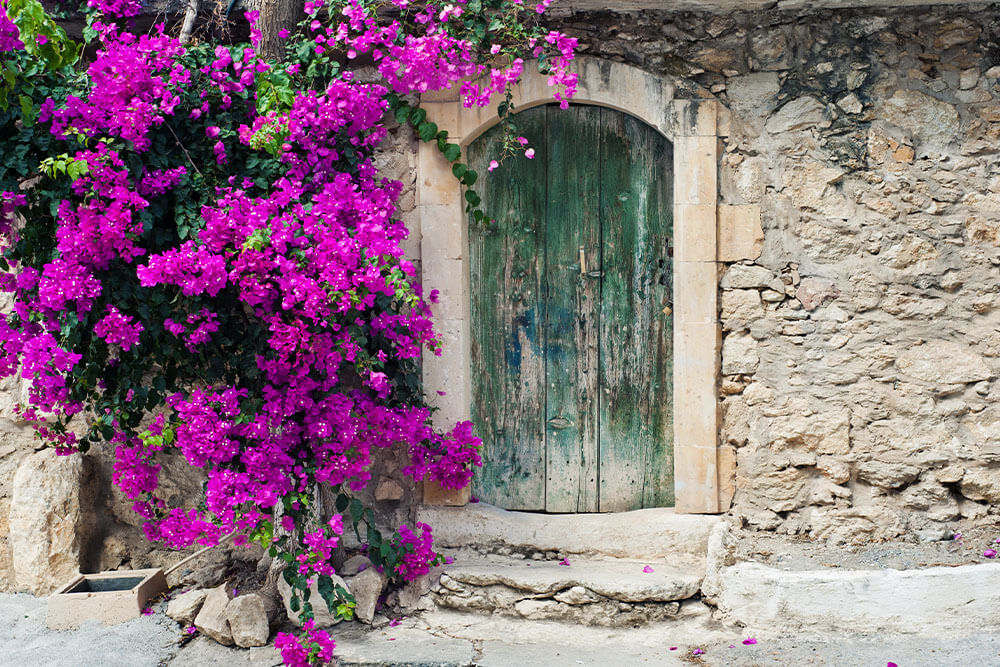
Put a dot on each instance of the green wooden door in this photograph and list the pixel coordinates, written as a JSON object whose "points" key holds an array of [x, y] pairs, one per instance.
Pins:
{"points": [[571, 326]]}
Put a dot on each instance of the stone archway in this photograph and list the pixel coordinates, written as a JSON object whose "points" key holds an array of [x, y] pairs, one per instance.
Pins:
{"points": [[692, 127]]}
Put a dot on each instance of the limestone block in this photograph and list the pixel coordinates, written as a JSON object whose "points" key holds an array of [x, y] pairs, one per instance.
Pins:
{"points": [[743, 276], [740, 233], [981, 484], [800, 113], [695, 304], [695, 232], [811, 185], [696, 170], [185, 607], [887, 475], [933, 123], [753, 95], [740, 308], [911, 251], [323, 616], [943, 362], [212, 619], [49, 528], [822, 432], [739, 355], [248, 620], [366, 587], [696, 118]]}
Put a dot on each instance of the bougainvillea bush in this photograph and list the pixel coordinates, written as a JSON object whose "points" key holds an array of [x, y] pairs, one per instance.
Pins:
{"points": [[202, 257]]}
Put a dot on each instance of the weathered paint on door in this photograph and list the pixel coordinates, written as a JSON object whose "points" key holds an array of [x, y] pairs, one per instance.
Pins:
{"points": [[571, 315]]}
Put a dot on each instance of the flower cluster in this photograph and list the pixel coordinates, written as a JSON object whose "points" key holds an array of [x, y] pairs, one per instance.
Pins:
{"points": [[10, 36], [417, 553]]}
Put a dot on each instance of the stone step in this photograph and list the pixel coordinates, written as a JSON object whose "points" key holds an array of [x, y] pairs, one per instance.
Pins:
{"points": [[660, 534], [592, 592]]}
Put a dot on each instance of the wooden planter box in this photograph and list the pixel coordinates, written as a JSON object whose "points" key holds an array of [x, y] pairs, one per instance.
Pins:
{"points": [[111, 597]]}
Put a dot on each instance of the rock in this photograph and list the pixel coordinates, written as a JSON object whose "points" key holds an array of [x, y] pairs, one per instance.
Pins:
{"points": [[388, 489], [850, 103], [212, 620], [821, 432], [353, 565], [576, 595], [968, 78], [769, 50], [742, 276], [800, 113], [814, 292], [366, 587], [981, 484], [955, 31], [739, 355], [932, 122], [943, 362], [185, 607], [740, 308], [811, 186], [323, 616], [49, 531], [753, 95], [412, 592], [912, 250], [886, 475], [248, 620]]}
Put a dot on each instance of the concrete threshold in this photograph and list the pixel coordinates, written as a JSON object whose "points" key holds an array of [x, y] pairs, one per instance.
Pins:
{"points": [[661, 534]]}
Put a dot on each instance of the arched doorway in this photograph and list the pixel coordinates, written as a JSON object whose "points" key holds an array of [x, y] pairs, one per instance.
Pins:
{"points": [[571, 315]]}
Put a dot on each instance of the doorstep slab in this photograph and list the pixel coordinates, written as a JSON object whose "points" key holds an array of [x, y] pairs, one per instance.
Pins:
{"points": [[618, 580], [659, 533]]}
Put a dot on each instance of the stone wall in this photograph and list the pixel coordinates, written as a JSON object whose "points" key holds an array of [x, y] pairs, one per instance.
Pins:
{"points": [[860, 349]]}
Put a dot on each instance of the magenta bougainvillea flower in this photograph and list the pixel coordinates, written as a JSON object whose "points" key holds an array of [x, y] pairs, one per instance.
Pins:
{"points": [[749, 641]]}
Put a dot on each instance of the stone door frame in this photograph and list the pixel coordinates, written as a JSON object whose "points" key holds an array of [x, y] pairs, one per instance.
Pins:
{"points": [[692, 126]]}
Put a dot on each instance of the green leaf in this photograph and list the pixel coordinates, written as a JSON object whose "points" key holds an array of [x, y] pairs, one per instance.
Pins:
{"points": [[417, 116], [473, 198], [426, 131], [452, 152], [459, 170], [27, 110], [470, 177]]}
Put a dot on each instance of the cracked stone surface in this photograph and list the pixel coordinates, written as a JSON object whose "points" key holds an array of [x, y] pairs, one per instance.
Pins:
{"points": [[618, 580]]}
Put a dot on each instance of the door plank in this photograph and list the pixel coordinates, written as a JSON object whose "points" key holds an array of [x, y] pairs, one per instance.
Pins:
{"points": [[508, 368], [572, 309], [636, 397]]}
